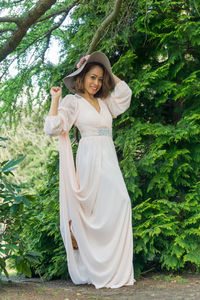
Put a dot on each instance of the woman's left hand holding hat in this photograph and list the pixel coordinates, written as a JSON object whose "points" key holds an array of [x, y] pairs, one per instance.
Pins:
{"points": [[116, 79]]}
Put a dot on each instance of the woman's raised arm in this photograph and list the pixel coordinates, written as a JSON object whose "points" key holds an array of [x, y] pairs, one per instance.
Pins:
{"points": [[56, 94]]}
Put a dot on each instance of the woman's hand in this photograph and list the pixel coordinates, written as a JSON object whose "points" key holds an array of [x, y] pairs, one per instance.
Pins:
{"points": [[117, 79], [56, 92]]}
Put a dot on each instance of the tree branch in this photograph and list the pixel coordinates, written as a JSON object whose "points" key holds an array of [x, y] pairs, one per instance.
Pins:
{"points": [[47, 46], [63, 10], [16, 2], [10, 20], [40, 38], [29, 19], [53, 14], [49, 32], [105, 23]]}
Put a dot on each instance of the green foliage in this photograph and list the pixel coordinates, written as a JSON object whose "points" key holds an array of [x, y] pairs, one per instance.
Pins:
{"points": [[154, 47], [158, 139], [41, 231], [170, 278], [29, 140], [12, 205]]}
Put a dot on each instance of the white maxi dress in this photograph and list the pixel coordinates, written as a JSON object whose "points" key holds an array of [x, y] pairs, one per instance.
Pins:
{"points": [[93, 194]]}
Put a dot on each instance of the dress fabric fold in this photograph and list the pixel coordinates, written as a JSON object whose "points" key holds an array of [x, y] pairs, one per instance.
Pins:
{"points": [[93, 194]]}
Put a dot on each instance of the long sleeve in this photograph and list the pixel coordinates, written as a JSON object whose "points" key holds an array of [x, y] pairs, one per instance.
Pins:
{"points": [[63, 121], [119, 100]]}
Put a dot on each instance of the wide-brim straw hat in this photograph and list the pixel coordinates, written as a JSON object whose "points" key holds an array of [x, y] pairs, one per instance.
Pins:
{"points": [[98, 57]]}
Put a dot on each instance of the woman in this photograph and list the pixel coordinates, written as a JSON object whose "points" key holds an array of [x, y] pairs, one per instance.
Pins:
{"points": [[95, 209]]}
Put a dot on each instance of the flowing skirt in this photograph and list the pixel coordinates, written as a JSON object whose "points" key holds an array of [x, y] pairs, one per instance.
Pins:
{"points": [[95, 198]]}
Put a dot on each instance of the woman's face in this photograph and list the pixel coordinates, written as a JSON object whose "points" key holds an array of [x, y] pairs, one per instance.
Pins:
{"points": [[93, 80]]}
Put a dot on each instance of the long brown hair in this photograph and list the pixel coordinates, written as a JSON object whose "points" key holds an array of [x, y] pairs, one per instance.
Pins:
{"points": [[105, 88]]}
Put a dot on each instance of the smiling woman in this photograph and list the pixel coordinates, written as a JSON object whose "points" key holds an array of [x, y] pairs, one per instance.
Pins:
{"points": [[95, 208], [93, 79], [95, 76]]}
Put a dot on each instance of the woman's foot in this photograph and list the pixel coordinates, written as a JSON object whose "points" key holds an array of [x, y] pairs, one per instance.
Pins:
{"points": [[74, 242]]}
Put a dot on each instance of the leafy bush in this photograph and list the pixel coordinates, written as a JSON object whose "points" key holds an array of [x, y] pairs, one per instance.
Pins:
{"points": [[12, 204], [41, 231], [161, 167]]}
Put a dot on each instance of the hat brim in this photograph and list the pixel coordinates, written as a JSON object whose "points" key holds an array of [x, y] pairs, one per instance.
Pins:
{"points": [[98, 57]]}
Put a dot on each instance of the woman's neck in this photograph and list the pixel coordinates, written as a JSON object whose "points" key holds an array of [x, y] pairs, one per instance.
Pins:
{"points": [[88, 96]]}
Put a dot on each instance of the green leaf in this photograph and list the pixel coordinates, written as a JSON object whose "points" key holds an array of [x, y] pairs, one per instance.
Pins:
{"points": [[10, 165]]}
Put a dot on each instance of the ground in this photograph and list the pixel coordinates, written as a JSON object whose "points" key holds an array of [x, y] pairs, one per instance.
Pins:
{"points": [[152, 286]]}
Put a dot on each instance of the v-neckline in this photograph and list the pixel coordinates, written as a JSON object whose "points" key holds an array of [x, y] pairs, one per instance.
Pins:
{"points": [[99, 112]]}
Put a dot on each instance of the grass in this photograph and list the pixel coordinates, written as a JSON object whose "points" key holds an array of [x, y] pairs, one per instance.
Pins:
{"points": [[170, 278], [40, 289]]}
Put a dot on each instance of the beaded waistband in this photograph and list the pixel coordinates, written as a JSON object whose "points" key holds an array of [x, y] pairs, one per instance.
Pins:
{"points": [[97, 132]]}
